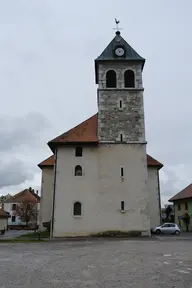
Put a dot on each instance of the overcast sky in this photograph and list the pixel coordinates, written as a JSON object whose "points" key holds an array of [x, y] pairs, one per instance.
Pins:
{"points": [[47, 52]]}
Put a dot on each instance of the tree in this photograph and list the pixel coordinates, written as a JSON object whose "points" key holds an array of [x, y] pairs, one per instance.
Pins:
{"points": [[27, 212], [3, 198], [186, 220], [168, 211]]}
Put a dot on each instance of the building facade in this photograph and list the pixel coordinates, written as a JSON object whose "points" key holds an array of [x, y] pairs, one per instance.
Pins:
{"points": [[103, 178], [182, 202], [26, 200]]}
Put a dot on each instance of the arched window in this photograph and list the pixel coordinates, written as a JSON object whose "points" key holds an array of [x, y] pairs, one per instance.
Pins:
{"points": [[129, 79], [78, 170], [111, 81], [77, 209]]}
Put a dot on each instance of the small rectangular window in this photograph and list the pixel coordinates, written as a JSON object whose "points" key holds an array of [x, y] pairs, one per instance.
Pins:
{"points": [[121, 137], [14, 207], [78, 151], [122, 206], [13, 218], [186, 206], [120, 104], [179, 206], [122, 172]]}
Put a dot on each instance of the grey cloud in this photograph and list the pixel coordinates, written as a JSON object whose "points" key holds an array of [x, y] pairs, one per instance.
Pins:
{"points": [[174, 179], [26, 130], [14, 172]]}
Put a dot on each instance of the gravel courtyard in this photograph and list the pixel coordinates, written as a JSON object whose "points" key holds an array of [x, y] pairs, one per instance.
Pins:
{"points": [[98, 263]]}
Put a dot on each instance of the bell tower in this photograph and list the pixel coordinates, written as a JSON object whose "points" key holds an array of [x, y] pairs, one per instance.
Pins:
{"points": [[118, 72]]}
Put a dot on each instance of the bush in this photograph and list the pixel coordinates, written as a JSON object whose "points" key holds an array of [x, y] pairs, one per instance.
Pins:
{"points": [[47, 225], [117, 233]]}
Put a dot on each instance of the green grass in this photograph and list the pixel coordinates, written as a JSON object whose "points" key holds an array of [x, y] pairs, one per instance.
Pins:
{"points": [[34, 235]]}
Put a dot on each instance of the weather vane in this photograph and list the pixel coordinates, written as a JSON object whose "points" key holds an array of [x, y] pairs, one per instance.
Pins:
{"points": [[117, 25]]}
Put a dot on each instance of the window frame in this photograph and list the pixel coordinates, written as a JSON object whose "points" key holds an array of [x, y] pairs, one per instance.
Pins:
{"points": [[126, 82], [120, 104], [73, 209], [186, 205], [78, 151], [179, 206], [122, 205], [75, 172], [107, 79], [14, 207], [12, 218], [122, 172]]}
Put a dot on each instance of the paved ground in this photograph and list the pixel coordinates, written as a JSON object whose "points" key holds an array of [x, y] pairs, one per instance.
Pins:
{"points": [[98, 263], [11, 234]]}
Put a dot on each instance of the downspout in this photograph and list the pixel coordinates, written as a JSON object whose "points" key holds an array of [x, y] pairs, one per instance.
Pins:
{"points": [[158, 183], [54, 188]]}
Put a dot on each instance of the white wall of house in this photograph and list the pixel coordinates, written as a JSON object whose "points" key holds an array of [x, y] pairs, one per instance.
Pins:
{"points": [[3, 223], [101, 190], [46, 195], [154, 196]]}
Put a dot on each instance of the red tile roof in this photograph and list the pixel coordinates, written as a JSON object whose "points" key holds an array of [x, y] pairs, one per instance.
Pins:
{"points": [[49, 162], [24, 196], [151, 162], [83, 133], [183, 194], [86, 132], [4, 214]]}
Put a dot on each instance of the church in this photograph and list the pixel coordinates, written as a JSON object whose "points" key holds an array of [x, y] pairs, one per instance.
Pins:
{"points": [[100, 177]]}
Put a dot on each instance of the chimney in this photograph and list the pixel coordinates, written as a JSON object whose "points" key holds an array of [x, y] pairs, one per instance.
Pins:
{"points": [[37, 192]]}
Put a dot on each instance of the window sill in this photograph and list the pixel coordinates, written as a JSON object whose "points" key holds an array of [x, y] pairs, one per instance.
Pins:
{"points": [[123, 211], [77, 216]]}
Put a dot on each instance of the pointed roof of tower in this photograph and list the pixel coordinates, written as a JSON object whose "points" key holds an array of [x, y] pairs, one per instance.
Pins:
{"points": [[108, 53]]}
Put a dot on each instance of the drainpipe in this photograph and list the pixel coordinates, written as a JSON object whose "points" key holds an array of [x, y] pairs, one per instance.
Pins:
{"points": [[54, 188], [158, 183]]}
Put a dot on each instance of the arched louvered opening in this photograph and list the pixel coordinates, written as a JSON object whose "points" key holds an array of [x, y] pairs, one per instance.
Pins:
{"points": [[129, 79], [111, 79]]}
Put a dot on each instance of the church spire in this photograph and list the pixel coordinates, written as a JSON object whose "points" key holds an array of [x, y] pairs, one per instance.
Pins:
{"points": [[118, 50]]}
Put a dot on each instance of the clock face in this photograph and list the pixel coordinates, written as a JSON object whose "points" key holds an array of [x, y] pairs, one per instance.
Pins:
{"points": [[119, 51]]}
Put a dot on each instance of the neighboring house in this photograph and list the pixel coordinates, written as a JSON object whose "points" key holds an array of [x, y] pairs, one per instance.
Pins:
{"points": [[12, 204], [183, 208], [100, 177], [4, 216]]}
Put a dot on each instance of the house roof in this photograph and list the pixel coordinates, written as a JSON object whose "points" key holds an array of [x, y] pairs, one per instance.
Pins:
{"points": [[24, 196], [86, 132], [183, 194], [49, 162], [151, 162], [4, 214], [108, 53]]}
